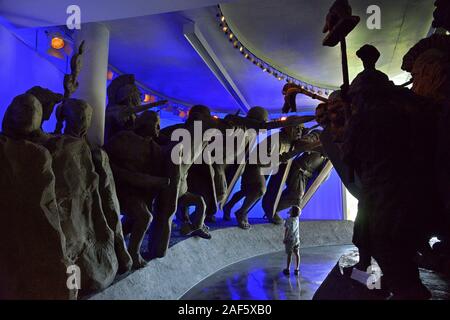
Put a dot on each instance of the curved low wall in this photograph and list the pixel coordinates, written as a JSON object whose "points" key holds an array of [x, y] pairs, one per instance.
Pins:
{"points": [[192, 260]]}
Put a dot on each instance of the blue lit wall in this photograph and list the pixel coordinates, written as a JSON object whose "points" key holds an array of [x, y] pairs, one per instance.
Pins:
{"points": [[23, 68], [326, 204]]}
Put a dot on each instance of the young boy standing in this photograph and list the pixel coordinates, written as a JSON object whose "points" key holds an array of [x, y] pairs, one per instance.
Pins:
{"points": [[292, 240]]}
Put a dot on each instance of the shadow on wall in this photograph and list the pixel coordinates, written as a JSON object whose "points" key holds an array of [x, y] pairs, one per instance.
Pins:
{"points": [[23, 68]]}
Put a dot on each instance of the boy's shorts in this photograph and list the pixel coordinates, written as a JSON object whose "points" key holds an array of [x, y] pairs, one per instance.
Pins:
{"points": [[292, 249]]}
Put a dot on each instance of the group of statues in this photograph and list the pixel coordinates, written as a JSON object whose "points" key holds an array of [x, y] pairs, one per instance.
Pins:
{"points": [[58, 204], [78, 202], [390, 145]]}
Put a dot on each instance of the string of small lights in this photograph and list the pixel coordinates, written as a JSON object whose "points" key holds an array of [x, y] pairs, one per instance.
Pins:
{"points": [[263, 65]]}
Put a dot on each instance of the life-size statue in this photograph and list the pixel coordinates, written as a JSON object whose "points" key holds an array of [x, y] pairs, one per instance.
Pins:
{"points": [[111, 206], [177, 169], [32, 244], [381, 134], [308, 158], [138, 165], [123, 95], [90, 242], [124, 103], [429, 63], [199, 181], [253, 183]]}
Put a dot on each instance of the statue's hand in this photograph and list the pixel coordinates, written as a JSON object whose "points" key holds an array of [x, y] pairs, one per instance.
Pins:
{"points": [[284, 157], [125, 114], [164, 182]]}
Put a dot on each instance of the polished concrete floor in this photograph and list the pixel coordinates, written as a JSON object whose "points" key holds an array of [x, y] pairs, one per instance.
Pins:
{"points": [[261, 278]]}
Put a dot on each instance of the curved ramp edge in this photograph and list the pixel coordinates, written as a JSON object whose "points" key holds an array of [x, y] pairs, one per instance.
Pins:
{"points": [[192, 260]]}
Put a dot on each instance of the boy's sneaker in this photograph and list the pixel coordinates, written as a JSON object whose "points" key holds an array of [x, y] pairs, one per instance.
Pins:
{"points": [[286, 271]]}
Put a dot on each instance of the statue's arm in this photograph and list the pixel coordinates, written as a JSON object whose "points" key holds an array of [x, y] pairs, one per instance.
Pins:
{"points": [[138, 179], [308, 143]]}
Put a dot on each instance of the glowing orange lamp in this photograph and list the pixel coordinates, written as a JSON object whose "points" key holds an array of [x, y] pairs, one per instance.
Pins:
{"points": [[110, 75], [148, 98], [57, 43]]}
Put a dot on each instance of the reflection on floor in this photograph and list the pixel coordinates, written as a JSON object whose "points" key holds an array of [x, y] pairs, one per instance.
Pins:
{"points": [[261, 278]]}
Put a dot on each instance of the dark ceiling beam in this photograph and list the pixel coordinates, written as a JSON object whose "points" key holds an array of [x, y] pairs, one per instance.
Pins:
{"points": [[204, 50]]}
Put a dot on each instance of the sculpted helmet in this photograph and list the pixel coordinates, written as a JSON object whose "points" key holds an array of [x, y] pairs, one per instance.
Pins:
{"points": [[199, 112], [258, 113], [369, 55], [121, 88]]}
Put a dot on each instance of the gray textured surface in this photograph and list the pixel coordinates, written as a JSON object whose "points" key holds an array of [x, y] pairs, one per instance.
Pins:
{"points": [[192, 260]]}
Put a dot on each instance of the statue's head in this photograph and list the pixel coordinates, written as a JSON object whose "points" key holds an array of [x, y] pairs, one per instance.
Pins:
{"points": [[148, 124], [293, 132], [129, 95], [123, 90], [199, 113], [258, 113], [76, 115], [23, 117], [369, 55], [429, 64], [322, 114], [47, 98]]}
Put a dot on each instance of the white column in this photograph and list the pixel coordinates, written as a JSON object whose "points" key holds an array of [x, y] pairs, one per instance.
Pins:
{"points": [[92, 78]]}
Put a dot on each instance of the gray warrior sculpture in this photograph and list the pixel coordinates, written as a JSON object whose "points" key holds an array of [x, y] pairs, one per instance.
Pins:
{"points": [[32, 244], [253, 183], [380, 135], [90, 242], [124, 102], [138, 161], [308, 158], [200, 183]]}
